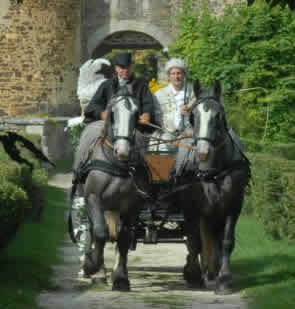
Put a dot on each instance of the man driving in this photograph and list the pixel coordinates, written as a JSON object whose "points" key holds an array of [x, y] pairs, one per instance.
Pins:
{"points": [[96, 110]]}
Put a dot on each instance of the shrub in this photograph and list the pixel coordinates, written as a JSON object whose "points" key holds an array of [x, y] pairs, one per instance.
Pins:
{"points": [[13, 202], [75, 134], [272, 194], [21, 193], [284, 151]]}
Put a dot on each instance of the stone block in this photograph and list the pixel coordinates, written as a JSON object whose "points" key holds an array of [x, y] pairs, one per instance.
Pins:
{"points": [[55, 141], [36, 130]]}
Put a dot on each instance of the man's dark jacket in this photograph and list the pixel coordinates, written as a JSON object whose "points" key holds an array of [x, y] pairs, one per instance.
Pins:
{"points": [[103, 95]]}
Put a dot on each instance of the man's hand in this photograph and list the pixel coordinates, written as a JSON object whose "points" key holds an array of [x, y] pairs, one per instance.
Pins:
{"points": [[144, 118], [185, 109], [103, 115]]}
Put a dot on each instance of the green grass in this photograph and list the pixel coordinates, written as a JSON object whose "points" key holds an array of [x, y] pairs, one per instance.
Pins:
{"points": [[265, 268], [25, 264]]}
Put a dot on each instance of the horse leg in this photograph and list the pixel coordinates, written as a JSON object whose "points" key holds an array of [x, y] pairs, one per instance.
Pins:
{"points": [[192, 270], [210, 253], [94, 256], [225, 280], [120, 273]]}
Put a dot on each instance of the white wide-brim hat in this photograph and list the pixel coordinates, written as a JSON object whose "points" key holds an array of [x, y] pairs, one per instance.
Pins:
{"points": [[175, 63]]}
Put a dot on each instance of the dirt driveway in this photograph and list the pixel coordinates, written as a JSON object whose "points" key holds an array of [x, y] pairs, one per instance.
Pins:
{"points": [[155, 274]]}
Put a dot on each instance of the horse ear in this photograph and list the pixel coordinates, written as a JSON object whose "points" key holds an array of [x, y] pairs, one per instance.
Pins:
{"points": [[217, 89], [197, 88]]}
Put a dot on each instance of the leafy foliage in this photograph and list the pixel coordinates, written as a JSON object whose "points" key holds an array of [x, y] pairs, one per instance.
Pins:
{"points": [[21, 194], [144, 61], [75, 134], [272, 194], [246, 47]]}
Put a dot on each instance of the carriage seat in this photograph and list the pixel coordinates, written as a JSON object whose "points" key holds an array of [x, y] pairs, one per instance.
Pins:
{"points": [[160, 164], [160, 157]]}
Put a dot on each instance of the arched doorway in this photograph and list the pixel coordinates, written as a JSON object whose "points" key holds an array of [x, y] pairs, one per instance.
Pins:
{"points": [[148, 51], [126, 40]]}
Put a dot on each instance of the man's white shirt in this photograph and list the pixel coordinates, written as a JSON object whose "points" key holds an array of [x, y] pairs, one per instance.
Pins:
{"points": [[168, 107]]}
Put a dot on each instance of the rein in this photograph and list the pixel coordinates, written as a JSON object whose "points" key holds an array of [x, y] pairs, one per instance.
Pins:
{"points": [[215, 174], [160, 141], [106, 142]]}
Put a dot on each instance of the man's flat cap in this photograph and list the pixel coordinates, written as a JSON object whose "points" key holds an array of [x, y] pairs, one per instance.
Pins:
{"points": [[123, 59]]}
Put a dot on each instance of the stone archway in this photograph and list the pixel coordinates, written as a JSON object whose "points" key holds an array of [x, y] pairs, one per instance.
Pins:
{"points": [[125, 24], [126, 34], [125, 40]]}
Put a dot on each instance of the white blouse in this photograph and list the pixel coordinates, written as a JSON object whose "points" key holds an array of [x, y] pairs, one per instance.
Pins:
{"points": [[168, 103]]}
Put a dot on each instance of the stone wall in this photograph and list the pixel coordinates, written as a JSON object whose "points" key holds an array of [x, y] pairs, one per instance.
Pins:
{"points": [[102, 18], [156, 18], [43, 43], [216, 6], [40, 57]]}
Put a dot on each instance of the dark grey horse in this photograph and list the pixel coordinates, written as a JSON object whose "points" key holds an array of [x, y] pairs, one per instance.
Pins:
{"points": [[104, 161], [220, 174]]}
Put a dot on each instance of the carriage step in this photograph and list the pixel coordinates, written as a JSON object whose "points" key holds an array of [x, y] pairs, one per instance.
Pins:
{"points": [[161, 214], [162, 240]]}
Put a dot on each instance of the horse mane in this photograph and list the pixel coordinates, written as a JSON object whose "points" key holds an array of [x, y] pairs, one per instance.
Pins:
{"points": [[107, 122], [109, 109], [213, 104], [210, 98]]}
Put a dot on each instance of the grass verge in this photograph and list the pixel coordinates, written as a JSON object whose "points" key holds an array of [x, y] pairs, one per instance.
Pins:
{"points": [[25, 264], [265, 267]]}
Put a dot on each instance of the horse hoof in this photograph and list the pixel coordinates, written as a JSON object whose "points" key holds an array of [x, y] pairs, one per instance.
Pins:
{"points": [[193, 278], [121, 285], [210, 285], [194, 284], [223, 289], [224, 286], [96, 279]]}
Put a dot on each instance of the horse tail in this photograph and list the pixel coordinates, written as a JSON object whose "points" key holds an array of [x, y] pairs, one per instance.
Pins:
{"points": [[112, 219]]}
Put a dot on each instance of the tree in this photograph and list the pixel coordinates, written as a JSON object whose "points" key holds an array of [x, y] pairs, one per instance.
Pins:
{"points": [[246, 47]]}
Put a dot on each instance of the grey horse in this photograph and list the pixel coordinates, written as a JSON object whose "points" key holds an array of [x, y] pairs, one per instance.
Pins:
{"points": [[104, 165], [219, 173]]}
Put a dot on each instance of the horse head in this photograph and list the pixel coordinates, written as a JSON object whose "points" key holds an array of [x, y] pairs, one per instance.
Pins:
{"points": [[209, 123], [123, 114]]}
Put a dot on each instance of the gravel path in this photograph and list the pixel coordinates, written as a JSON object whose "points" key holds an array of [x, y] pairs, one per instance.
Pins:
{"points": [[155, 274]]}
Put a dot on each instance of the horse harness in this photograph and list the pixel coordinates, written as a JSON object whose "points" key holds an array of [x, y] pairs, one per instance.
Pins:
{"points": [[81, 173]]}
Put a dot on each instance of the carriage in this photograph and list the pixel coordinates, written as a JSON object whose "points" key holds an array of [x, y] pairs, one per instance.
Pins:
{"points": [[160, 220], [152, 202]]}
